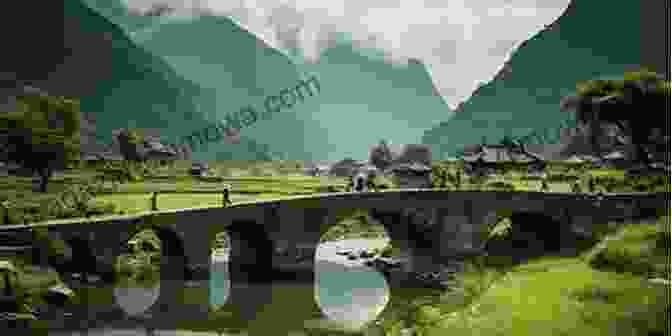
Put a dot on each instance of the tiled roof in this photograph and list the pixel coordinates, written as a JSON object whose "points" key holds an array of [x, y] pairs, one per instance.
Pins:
{"points": [[414, 166], [495, 153], [412, 153]]}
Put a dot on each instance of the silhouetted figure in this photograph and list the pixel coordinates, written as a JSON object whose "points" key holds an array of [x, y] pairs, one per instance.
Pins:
{"points": [[359, 183], [226, 201], [154, 196], [351, 185]]}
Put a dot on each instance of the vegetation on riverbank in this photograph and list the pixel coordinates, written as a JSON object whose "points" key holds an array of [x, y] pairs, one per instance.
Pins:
{"points": [[601, 291]]}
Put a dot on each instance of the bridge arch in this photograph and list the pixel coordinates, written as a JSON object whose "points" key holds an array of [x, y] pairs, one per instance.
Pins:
{"points": [[529, 233], [251, 250], [83, 259]]}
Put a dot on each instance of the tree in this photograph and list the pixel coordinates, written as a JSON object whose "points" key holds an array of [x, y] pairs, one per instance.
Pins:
{"points": [[621, 102], [31, 139], [130, 144], [381, 156]]}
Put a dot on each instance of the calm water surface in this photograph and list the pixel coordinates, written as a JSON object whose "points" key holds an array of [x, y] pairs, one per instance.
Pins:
{"points": [[345, 290]]}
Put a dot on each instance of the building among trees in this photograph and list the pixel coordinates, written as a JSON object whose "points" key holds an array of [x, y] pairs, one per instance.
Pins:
{"points": [[410, 164]]}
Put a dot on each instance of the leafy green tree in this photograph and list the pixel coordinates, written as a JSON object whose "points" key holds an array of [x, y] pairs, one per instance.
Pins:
{"points": [[637, 105], [31, 138], [130, 143]]}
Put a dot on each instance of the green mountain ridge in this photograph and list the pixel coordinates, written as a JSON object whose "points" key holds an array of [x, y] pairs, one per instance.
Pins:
{"points": [[589, 40], [120, 83], [159, 96], [362, 99]]}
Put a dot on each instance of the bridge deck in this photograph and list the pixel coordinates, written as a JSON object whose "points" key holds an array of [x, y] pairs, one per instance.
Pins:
{"points": [[340, 195]]}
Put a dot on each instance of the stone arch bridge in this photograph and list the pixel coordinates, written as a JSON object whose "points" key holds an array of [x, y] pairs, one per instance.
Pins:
{"points": [[431, 226]]}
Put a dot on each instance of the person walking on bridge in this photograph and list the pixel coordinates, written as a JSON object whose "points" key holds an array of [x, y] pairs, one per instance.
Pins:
{"points": [[226, 200]]}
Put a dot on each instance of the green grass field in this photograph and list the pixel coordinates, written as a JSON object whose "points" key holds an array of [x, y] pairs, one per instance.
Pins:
{"points": [[602, 291]]}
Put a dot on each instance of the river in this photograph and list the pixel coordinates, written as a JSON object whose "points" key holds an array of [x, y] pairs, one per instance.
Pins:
{"points": [[346, 291]]}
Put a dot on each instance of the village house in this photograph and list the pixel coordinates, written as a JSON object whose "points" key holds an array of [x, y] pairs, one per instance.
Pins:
{"points": [[346, 167], [410, 165], [484, 159]]}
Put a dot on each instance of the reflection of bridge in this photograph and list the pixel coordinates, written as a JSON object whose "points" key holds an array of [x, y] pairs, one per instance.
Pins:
{"points": [[430, 225]]}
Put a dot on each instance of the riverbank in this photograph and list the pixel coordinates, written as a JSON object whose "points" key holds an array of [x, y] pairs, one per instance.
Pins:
{"points": [[618, 287]]}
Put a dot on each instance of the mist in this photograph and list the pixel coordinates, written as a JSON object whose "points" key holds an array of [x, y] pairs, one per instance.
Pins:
{"points": [[462, 43]]}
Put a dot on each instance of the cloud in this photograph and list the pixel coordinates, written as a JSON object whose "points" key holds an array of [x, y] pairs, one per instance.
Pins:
{"points": [[462, 42]]}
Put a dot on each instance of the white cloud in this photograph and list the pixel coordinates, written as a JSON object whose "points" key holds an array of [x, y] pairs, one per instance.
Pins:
{"points": [[462, 42]]}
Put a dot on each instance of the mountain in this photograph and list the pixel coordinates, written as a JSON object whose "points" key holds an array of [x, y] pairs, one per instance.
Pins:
{"points": [[120, 83], [92, 59], [362, 99], [242, 70], [589, 40]]}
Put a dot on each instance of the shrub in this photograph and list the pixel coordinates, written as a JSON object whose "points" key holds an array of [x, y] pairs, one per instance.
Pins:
{"points": [[384, 182], [390, 251], [531, 178], [211, 179], [500, 185], [663, 234], [636, 249], [327, 189], [125, 269], [562, 178], [146, 272], [595, 293], [641, 187], [255, 171], [226, 172], [75, 201], [101, 208]]}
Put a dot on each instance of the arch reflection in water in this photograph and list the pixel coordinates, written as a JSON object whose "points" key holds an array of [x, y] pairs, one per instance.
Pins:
{"points": [[347, 292], [138, 286], [135, 297], [220, 280]]}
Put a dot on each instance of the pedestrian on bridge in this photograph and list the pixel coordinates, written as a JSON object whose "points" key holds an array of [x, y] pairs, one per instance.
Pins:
{"points": [[154, 197], [351, 185], [226, 201]]}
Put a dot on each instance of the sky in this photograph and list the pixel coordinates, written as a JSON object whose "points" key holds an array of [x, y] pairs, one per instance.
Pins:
{"points": [[463, 43]]}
